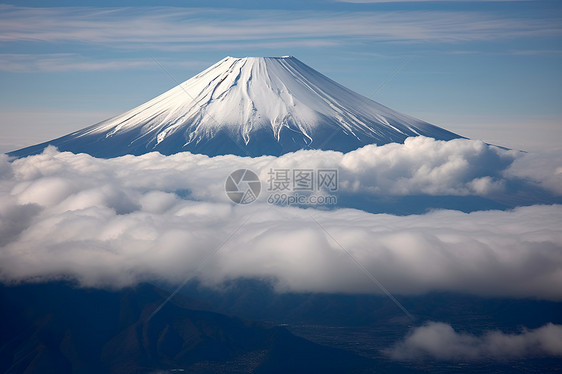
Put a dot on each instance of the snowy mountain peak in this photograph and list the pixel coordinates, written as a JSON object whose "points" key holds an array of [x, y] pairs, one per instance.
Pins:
{"points": [[248, 106]]}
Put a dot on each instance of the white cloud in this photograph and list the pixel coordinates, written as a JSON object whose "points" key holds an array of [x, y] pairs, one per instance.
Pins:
{"points": [[419, 166], [116, 222], [423, 165], [542, 169], [439, 341]]}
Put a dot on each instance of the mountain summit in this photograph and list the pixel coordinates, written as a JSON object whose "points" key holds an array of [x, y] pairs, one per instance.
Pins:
{"points": [[248, 106]]}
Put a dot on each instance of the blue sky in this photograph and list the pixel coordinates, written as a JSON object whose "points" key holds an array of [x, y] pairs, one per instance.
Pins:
{"points": [[490, 70]]}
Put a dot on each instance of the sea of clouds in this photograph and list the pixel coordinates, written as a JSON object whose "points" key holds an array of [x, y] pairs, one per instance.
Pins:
{"points": [[113, 223], [116, 222]]}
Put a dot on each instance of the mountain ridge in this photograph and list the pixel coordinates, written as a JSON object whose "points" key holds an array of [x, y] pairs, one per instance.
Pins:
{"points": [[250, 106]]}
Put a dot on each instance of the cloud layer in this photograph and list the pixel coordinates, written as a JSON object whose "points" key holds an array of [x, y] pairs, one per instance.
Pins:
{"points": [[116, 222], [437, 340]]}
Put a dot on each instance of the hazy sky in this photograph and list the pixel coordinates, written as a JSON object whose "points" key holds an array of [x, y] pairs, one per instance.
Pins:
{"points": [[489, 70]]}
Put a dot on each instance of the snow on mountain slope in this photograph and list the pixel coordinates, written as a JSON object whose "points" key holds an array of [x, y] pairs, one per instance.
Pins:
{"points": [[250, 107]]}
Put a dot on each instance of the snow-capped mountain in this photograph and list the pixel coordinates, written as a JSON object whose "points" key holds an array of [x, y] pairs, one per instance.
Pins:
{"points": [[250, 107]]}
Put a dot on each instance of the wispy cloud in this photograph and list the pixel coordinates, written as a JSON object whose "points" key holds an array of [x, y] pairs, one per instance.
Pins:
{"points": [[68, 62], [134, 28], [536, 52], [439, 341], [509, 52], [427, 1]]}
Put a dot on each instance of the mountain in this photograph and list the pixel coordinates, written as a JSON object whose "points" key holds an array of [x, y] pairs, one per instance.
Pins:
{"points": [[249, 106], [56, 328]]}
